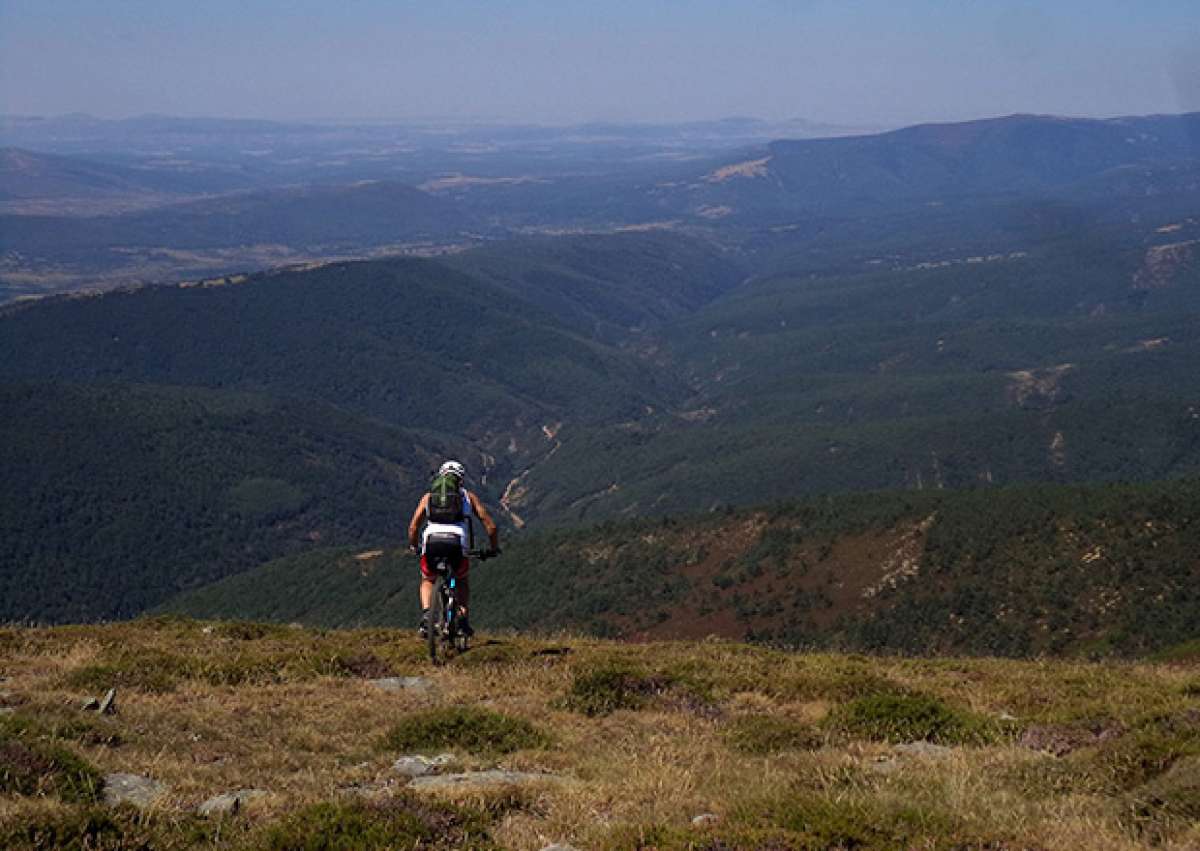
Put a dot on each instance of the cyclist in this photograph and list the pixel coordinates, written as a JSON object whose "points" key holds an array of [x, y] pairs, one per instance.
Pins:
{"points": [[446, 511]]}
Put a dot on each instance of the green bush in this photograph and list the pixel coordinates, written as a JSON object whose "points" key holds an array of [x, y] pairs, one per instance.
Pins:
{"points": [[766, 734], [31, 765], [477, 731], [906, 718], [142, 669], [121, 829], [1150, 749], [605, 689], [1167, 803]]}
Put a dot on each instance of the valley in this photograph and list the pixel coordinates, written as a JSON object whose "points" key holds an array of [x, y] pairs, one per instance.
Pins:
{"points": [[904, 347]]}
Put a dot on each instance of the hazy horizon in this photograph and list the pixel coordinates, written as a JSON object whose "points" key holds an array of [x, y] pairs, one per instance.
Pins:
{"points": [[864, 64]]}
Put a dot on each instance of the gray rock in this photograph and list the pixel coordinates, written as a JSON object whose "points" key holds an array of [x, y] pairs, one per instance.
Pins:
{"points": [[229, 803], [928, 749], [557, 846], [705, 820], [397, 684], [90, 705], [492, 778], [108, 706], [131, 789], [420, 766]]}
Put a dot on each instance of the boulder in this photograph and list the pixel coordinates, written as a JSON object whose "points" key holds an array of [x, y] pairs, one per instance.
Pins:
{"points": [[131, 789], [422, 685], [481, 779], [229, 803], [420, 766], [108, 706], [925, 749]]}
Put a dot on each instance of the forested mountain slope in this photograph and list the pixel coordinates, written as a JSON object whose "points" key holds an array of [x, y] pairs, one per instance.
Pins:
{"points": [[1013, 571], [410, 341], [117, 496]]}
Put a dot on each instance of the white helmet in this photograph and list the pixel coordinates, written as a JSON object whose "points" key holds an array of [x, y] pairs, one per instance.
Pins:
{"points": [[453, 468]]}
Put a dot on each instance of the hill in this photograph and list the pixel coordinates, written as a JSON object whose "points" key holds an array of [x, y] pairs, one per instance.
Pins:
{"points": [[1055, 364], [946, 164], [604, 746], [1109, 570], [610, 286], [117, 496], [332, 217], [409, 341], [35, 182]]}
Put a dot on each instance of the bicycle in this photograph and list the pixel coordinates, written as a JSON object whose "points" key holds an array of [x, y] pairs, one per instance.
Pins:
{"points": [[443, 629]]}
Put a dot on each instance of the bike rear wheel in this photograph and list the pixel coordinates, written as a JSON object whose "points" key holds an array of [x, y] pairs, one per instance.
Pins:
{"points": [[437, 619]]}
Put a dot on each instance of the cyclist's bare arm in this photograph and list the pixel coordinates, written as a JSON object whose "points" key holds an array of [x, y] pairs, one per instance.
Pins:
{"points": [[489, 525], [414, 526]]}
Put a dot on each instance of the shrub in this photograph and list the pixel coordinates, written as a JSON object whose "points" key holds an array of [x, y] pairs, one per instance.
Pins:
{"points": [[1166, 804], [121, 829], [602, 690], [32, 766], [143, 669], [401, 822], [766, 734], [905, 718], [1148, 750], [472, 730]]}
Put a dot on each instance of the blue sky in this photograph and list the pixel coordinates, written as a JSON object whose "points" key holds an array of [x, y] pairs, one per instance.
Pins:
{"points": [[561, 61]]}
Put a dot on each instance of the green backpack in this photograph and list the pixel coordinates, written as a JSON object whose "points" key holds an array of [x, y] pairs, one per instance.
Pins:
{"points": [[445, 500]]}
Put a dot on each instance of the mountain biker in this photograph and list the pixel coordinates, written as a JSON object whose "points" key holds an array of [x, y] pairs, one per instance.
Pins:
{"points": [[448, 536]]}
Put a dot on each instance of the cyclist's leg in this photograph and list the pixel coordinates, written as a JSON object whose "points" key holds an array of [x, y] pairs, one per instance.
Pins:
{"points": [[425, 592], [462, 592], [462, 583]]}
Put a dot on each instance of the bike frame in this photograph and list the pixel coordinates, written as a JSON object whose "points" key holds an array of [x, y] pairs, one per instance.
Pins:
{"points": [[443, 622]]}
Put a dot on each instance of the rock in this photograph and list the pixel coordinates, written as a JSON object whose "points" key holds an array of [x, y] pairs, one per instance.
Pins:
{"points": [[420, 766], [705, 820], [108, 706], [557, 846], [928, 749], [131, 789], [397, 684], [495, 777], [90, 705], [229, 803]]}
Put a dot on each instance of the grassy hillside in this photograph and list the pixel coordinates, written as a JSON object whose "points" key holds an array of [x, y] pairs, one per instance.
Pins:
{"points": [[116, 497], [629, 744], [1015, 572]]}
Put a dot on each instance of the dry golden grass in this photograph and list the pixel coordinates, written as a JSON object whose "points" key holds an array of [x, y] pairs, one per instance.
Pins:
{"points": [[211, 708]]}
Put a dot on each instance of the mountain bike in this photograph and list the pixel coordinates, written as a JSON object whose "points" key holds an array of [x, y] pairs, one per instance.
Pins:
{"points": [[443, 634]]}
